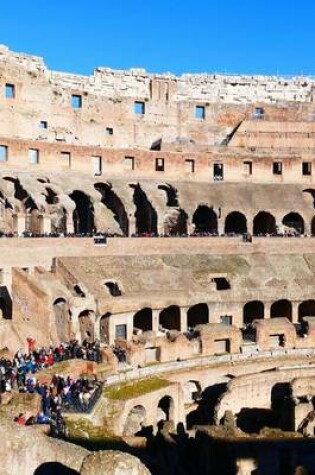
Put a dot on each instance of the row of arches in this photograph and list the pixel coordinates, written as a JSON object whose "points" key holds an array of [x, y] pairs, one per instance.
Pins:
{"points": [[205, 220], [170, 317], [136, 421], [82, 219], [281, 308]]}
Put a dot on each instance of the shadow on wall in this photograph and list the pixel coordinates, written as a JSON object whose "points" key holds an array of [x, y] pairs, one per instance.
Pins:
{"points": [[54, 468]]}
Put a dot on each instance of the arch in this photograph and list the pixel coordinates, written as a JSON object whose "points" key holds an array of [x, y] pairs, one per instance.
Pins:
{"points": [[235, 223], [264, 223], [83, 215], [135, 420], [61, 313], [86, 321], [112, 201], [205, 220], [281, 308], [252, 311], [104, 328], [198, 315], [143, 319], [165, 409], [171, 194], [306, 309], [146, 215], [170, 318], [113, 288], [175, 222], [294, 222]]}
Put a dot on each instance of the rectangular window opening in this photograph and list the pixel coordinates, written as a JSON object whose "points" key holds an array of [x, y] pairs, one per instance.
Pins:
{"points": [[33, 156], [248, 168], [9, 91], [306, 168], [97, 165], [43, 124], [76, 101], [226, 319], [159, 164], [190, 165], [218, 170], [129, 163], [3, 153], [139, 108], [109, 131], [200, 112], [277, 168]]}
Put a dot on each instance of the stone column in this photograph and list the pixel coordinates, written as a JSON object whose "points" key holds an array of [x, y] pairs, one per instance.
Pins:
{"points": [[132, 225], [155, 320], [46, 224], [295, 312], [221, 223], [183, 319]]}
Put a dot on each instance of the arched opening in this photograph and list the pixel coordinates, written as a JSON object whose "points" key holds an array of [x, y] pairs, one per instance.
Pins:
{"points": [[252, 311], [170, 318], [135, 421], [264, 223], [51, 196], [198, 315], [83, 215], [114, 203], [86, 320], [313, 226], [142, 320], [146, 216], [175, 222], [293, 223], [61, 312], [281, 308], [205, 220], [171, 194], [306, 309], [113, 288], [165, 409], [104, 328], [5, 303], [235, 223]]}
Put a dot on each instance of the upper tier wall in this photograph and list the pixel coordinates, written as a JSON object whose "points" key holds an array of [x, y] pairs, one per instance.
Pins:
{"points": [[107, 117]]}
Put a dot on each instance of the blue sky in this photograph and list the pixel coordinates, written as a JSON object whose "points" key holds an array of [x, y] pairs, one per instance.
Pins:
{"points": [[244, 36]]}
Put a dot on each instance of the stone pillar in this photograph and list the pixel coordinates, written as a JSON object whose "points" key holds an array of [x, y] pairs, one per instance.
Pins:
{"points": [[155, 320], [307, 227], [20, 224], [183, 319], [132, 225], [70, 227], [267, 310], [190, 227], [46, 224], [160, 225], [221, 223], [295, 312], [250, 224]]}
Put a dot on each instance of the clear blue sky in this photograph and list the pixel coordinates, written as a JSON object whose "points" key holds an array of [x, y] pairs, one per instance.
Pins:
{"points": [[247, 36]]}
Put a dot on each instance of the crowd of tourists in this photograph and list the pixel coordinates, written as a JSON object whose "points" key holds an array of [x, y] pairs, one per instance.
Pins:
{"points": [[61, 393]]}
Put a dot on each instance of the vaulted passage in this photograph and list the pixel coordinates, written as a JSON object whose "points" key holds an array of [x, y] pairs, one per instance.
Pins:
{"points": [[205, 220], [114, 203], [143, 319], [170, 318], [5, 304], [264, 223], [135, 421], [281, 308], [165, 409], [198, 315], [104, 328], [252, 311], [83, 215], [235, 223], [61, 312], [293, 222], [171, 194], [86, 320], [146, 216], [175, 222], [306, 309]]}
